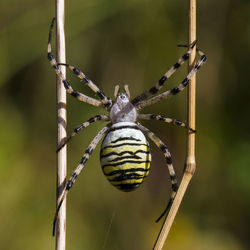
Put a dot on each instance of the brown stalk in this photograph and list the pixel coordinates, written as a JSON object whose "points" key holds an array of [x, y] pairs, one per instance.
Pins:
{"points": [[61, 127], [190, 160]]}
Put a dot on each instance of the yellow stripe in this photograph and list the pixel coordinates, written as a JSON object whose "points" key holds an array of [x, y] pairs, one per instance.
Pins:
{"points": [[120, 149], [126, 166]]}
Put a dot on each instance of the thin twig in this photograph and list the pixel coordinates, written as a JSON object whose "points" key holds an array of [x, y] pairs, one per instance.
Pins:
{"points": [[190, 160], [61, 127]]}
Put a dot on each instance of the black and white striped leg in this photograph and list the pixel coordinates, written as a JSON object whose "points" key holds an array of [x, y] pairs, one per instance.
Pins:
{"points": [[164, 119], [107, 102], [168, 158], [166, 76], [81, 127], [69, 89], [177, 89], [78, 170]]}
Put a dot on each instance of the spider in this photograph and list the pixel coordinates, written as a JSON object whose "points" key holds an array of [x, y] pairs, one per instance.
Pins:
{"points": [[125, 153]]}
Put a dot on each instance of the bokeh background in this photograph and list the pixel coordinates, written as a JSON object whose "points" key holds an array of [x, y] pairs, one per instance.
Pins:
{"points": [[127, 42]]}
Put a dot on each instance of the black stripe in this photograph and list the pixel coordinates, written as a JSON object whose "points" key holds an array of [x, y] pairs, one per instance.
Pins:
{"points": [[176, 66], [124, 144], [127, 187], [124, 152], [126, 157], [76, 71], [69, 185], [66, 84], [123, 127], [50, 56], [86, 79], [75, 94], [124, 162], [175, 187], [162, 80], [83, 160], [169, 160], [139, 98], [172, 177], [197, 67], [125, 138], [174, 91], [185, 82], [131, 170], [77, 129], [177, 122], [186, 56], [89, 150], [108, 104], [203, 58], [100, 94], [163, 148], [153, 90], [93, 119], [55, 66], [125, 177]]}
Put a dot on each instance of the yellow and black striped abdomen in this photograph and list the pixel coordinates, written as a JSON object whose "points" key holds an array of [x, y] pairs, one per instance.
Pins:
{"points": [[125, 156]]}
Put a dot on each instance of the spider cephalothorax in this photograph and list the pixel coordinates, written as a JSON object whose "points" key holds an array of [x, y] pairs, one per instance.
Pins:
{"points": [[125, 153], [123, 110]]}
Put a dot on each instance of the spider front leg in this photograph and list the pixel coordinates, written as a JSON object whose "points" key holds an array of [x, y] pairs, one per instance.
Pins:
{"points": [[81, 127], [107, 102], [166, 76], [69, 89], [177, 89], [168, 158], [78, 170], [165, 119]]}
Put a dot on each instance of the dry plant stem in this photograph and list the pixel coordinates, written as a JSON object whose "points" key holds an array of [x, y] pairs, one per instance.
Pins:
{"points": [[61, 127], [190, 160], [172, 213]]}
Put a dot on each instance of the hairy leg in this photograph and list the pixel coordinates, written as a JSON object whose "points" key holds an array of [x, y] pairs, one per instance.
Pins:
{"points": [[78, 170], [81, 97], [168, 159], [175, 90]]}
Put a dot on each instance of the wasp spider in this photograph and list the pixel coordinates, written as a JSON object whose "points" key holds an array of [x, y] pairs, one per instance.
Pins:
{"points": [[125, 153]]}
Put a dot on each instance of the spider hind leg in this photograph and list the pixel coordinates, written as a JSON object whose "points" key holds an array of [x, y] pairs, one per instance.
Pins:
{"points": [[168, 159], [90, 149]]}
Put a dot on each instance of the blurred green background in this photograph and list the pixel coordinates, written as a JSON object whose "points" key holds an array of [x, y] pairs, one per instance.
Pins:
{"points": [[127, 42]]}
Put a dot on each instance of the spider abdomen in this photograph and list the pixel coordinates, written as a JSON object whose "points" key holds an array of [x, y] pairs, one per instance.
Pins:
{"points": [[125, 156]]}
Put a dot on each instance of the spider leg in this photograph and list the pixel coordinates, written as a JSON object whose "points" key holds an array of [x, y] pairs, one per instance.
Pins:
{"points": [[164, 119], [177, 89], [107, 102], [77, 171], [166, 76], [69, 89], [168, 158], [65, 140]]}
